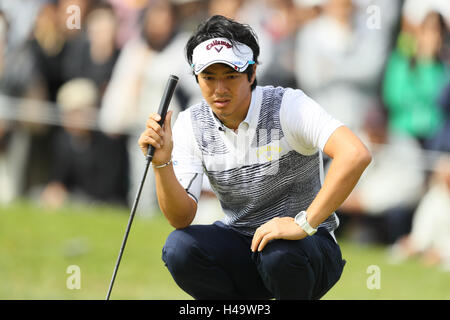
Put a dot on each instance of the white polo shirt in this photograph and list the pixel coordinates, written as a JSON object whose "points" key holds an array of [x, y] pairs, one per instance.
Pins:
{"points": [[273, 155]]}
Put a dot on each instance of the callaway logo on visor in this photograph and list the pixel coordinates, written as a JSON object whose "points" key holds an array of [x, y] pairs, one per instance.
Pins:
{"points": [[215, 43], [239, 56]]}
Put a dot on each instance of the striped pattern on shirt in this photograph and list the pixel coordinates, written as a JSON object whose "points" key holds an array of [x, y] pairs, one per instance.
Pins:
{"points": [[252, 193]]}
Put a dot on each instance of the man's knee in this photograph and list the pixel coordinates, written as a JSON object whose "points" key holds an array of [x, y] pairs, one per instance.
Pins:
{"points": [[286, 271], [193, 267], [278, 258], [177, 250]]}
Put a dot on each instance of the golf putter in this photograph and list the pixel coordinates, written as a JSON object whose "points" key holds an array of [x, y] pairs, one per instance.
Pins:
{"points": [[163, 106]]}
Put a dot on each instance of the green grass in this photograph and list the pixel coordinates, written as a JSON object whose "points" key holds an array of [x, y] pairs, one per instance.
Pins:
{"points": [[37, 246]]}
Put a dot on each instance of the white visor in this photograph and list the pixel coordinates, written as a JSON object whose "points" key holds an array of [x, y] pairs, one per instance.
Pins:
{"points": [[221, 50]]}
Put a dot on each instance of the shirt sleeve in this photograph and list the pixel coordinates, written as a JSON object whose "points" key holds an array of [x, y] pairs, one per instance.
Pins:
{"points": [[186, 156], [306, 125]]}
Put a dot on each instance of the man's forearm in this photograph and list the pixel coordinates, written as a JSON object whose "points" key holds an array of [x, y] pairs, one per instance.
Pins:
{"points": [[178, 207], [342, 176]]}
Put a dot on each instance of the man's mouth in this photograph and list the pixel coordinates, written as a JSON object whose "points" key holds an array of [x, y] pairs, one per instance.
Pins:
{"points": [[221, 102]]}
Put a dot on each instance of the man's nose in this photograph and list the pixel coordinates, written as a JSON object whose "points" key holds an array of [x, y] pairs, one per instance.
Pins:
{"points": [[221, 87]]}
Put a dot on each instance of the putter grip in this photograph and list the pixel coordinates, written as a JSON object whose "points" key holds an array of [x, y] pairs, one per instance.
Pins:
{"points": [[163, 106]]}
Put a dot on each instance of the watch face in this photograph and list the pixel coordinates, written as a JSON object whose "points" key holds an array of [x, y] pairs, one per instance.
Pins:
{"points": [[300, 219]]}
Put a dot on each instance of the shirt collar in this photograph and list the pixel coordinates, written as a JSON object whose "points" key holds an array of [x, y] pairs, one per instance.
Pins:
{"points": [[253, 110]]}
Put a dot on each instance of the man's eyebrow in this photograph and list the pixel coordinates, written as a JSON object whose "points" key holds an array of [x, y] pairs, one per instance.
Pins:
{"points": [[230, 71]]}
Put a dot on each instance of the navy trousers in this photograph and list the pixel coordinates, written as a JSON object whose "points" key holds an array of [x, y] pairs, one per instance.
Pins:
{"points": [[215, 262]]}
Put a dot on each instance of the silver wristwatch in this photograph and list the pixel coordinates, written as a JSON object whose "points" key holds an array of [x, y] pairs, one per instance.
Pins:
{"points": [[300, 219]]}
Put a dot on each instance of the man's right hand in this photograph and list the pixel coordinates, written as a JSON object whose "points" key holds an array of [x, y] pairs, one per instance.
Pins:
{"points": [[178, 207], [160, 138]]}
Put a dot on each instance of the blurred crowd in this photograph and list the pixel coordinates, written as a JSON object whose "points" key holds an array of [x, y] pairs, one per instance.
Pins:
{"points": [[78, 78]]}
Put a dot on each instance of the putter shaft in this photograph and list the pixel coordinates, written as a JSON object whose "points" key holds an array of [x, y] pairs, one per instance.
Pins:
{"points": [[162, 111], [130, 221]]}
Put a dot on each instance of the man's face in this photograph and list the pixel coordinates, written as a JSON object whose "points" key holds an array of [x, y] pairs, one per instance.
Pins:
{"points": [[227, 92]]}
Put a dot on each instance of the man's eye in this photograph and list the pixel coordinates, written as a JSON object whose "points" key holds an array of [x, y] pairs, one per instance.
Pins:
{"points": [[208, 78]]}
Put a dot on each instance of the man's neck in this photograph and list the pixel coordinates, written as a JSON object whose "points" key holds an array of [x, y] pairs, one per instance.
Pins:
{"points": [[234, 120], [233, 124]]}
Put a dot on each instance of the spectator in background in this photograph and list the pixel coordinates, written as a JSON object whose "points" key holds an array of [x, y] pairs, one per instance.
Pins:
{"points": [[414, 80], [190, 12], [441, 140], [94, 53], [127, 13], [276, 23], [86, 164], [415, 11], [380, 207], [227, 8], [251, 12], [430, 234], [16, 63], [281, 27], [340, 60], [21, 15], [48, 44], [414, 89], [138, 82], [16, 74]]}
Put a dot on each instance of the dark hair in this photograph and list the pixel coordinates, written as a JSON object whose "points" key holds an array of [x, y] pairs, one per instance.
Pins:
{"points": [[145, 17], [221, 27], [439, 57]]}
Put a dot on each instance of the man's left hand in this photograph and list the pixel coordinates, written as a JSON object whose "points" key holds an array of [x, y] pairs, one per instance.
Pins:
{"points": [[277, 228]]}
